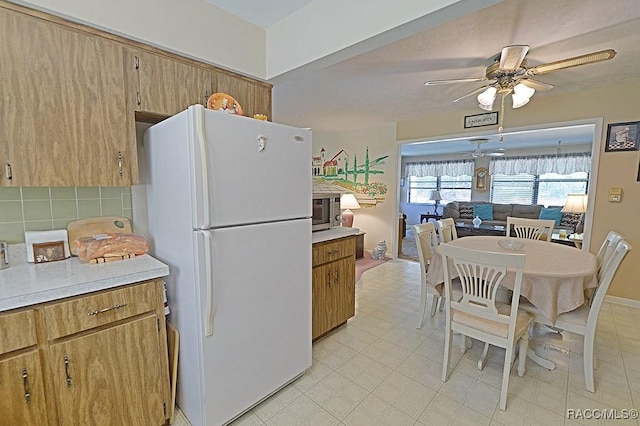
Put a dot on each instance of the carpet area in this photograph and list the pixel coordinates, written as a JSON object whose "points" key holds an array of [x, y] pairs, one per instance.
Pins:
{"points": [[409, 248], [367, 263]]}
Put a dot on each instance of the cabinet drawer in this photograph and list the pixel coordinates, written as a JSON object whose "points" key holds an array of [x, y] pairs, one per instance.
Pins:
{"points": [[17, 330], [86, 312], [333, 250]]}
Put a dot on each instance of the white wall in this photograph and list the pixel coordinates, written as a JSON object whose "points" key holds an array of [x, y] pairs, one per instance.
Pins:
{"points": [[193, 28], [381, 141]]}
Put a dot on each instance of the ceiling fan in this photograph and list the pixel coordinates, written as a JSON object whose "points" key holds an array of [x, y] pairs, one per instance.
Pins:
{"points": [[479, 152], [510, 74]]}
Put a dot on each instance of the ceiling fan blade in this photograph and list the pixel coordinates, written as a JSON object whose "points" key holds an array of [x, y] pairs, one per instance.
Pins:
{"points": [[471, 93], [512, 56], [535, 84], [589, 58], [453, 80], [494, 154]]}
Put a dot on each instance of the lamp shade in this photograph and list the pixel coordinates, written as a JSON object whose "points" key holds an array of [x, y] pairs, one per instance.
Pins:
{"points": [[576, 203], [349, 201], [487, 97], [435, 195]]}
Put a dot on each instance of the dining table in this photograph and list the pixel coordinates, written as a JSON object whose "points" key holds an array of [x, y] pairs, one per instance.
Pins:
{"points": [[554, 280]]}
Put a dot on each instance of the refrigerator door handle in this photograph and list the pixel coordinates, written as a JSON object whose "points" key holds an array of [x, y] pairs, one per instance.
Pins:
{"points": [[208, 326], [201, 214]]}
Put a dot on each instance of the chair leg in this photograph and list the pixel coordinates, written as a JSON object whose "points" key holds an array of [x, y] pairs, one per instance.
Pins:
{"points": [[523, 348], [505, 377], [588, 355], [434, 304], [483, 358], [423, 304], [595, 353], [448, 336]]}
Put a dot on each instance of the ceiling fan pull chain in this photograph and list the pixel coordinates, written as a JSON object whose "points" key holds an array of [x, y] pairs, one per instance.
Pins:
{"points": [[500, 128]]}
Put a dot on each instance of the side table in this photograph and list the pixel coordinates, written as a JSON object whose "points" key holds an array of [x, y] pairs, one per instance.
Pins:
{"points": [[428, 216]]}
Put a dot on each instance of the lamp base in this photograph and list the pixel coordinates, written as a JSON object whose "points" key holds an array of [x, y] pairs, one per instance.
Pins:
{"points": [[347, 218]]}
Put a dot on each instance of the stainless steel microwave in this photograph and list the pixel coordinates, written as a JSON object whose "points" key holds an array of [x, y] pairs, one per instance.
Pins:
{"points": [[326, 211]]}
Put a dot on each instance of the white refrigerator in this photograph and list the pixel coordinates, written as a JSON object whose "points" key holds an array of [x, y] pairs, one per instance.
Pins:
{"points": [[229, 207]]}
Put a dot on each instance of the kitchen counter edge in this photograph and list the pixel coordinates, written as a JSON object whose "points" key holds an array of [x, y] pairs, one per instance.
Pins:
{"points": [[24, 284], [333, 234]]}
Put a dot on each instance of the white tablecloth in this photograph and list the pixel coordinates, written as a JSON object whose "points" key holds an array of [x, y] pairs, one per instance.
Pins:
{"points": [[555, 275]]}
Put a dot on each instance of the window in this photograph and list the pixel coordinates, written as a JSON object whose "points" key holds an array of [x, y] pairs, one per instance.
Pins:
{"points": [[451, 188], [549, 189]]}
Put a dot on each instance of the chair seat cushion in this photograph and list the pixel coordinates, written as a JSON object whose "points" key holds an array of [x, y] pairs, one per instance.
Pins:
{"points": [[493, 327], [574, 321]]}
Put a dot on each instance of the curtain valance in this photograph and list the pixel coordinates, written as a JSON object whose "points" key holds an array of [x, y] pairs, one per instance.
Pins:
{"points": [[440, 168], [563, 164]]}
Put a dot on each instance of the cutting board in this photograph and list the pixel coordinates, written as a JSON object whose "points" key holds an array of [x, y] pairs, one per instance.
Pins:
{"points": [[96, 225]]}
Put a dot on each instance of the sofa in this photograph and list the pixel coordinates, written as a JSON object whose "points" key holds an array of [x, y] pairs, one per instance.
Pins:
{"points": [[462, 211]]}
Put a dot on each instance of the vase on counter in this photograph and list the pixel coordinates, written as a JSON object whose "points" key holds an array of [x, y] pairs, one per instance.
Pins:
{"points": [[476, 221]]}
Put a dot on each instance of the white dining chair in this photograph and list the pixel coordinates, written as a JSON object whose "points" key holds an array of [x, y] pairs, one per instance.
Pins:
{"points": [[583, 320], [607, 248], [426, 242], [531, 229], [447, 230], [477, 314]]}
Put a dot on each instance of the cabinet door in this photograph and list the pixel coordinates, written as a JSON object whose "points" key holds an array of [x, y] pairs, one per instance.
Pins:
{"points": [[253, 97], [322, 307], [111, 377], [22, 401], [167, 86], [345, 289], [63, 106]]}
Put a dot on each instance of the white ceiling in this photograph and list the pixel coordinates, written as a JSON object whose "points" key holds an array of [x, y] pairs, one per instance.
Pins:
{"points": [[385, 85]]}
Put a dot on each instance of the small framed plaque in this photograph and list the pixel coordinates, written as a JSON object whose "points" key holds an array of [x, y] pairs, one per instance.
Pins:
{"points": [[479, 120], [48, 252]]}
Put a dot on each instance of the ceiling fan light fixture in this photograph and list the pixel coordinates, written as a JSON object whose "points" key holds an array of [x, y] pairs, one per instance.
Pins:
{"points": [[519, 100], [487, 97], [486, 107], [523, 90]]}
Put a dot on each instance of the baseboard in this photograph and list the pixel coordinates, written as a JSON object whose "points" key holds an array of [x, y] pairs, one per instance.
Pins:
{"points": [[623, 301]]}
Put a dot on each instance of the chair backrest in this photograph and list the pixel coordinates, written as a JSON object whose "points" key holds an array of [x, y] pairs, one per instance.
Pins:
{"points": [[607, 249], [426, 241], [530, 229], [608, 271], [480, 275], [447, 230]]}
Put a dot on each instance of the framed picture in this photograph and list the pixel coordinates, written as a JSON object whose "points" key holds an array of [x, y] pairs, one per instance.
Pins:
{"points": [[479, 120], [48, 252], [623, 136]]}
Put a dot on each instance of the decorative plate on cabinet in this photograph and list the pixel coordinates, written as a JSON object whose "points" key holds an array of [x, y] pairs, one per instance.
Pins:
{"points": [[225, 103]]}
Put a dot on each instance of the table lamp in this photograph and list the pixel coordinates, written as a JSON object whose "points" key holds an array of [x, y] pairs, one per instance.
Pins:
{"points": [[435, 196], [348, 202], [576, 203]]}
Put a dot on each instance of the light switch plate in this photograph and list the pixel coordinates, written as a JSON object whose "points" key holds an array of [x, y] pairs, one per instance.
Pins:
{"points": [[615, 195]]}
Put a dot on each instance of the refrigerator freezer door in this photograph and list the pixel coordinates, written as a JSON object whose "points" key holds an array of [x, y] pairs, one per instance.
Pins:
{"points": [[261, 307], [254, 171]]}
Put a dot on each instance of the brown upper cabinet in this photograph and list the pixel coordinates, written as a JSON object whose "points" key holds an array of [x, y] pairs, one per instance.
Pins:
{"points": [[70, 96], [165, 86], [63, 117]]}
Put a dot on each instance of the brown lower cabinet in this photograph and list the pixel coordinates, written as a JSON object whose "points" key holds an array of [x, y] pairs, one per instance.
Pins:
{"points": [[99, 358], [333, 284]]}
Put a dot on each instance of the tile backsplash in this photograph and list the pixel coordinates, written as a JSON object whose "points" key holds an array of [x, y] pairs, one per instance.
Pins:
{"points": [[44, 209]]}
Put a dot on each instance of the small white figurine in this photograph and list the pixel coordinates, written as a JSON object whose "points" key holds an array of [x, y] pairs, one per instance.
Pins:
{"points": [[380, 251]]}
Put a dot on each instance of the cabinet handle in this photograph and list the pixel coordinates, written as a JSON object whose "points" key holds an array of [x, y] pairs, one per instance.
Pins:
{"points": [[120, 169], [332, 252], [103, 310], [66, 370], [25, 382], [329, 277], [8, 171]]}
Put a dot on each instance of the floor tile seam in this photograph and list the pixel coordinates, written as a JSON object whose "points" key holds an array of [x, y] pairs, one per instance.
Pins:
{"points": [[307, 396]]}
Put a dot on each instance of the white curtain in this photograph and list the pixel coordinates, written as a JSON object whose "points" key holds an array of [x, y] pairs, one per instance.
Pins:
{"points": [[563, 164], [440, 168]]}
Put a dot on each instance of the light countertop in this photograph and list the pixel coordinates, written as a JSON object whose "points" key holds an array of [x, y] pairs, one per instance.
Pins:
{"points": [[332, 234], [24, 284]]}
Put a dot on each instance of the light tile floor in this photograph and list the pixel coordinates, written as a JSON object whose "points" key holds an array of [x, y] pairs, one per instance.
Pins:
{"points": [[380, 370]]}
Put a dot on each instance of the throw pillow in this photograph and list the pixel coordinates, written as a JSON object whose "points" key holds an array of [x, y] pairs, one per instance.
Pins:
{"points": [[466, 212], [570, 220], [551, 213], [483, 211]]}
